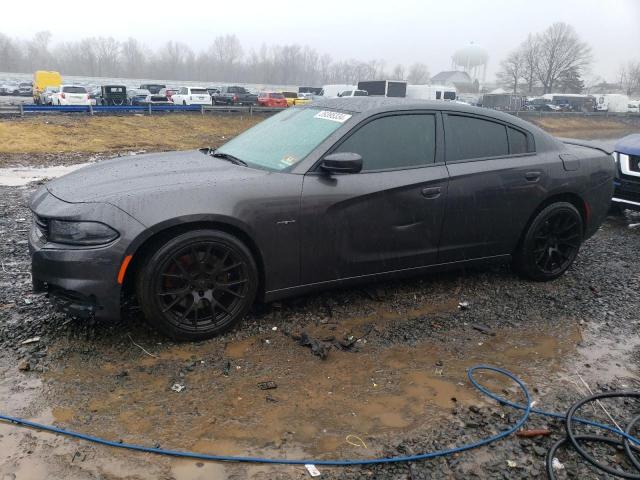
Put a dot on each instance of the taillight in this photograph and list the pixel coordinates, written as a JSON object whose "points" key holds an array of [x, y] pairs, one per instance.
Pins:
{"points": [[235, 98], [62, 95]]}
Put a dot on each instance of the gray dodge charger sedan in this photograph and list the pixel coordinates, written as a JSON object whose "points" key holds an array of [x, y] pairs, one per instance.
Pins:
{"points": [[334, 193]]}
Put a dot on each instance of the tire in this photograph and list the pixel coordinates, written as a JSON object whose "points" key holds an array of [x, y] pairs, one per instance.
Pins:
{"points": [[184, 102], [551, 242], [208, 269]]}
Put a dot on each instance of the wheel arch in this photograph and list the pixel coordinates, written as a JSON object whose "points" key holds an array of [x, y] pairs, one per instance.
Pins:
{"points": [[151, 239], [569, 197]]}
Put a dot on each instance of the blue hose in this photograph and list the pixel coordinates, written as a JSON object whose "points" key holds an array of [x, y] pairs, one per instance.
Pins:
{"points": [[526, 408]]}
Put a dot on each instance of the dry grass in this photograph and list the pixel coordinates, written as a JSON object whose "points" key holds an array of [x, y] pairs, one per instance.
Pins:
{"points": [[584, 127], [79, 134]]}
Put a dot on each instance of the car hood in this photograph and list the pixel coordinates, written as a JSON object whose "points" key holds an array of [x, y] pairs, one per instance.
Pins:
{"points": [[122, 178]]}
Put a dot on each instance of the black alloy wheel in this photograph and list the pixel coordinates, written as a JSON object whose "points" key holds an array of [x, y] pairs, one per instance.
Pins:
{"points": [[551, 242], [197, 284]]}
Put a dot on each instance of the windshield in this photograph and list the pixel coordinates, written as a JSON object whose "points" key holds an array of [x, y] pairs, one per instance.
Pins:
{"points": [[285, 139]]}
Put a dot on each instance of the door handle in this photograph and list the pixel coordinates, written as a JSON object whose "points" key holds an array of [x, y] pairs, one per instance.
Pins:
{"points": [[532, 176], [431, 192]]}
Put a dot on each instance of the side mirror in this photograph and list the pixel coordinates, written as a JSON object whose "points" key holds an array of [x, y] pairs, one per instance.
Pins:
{"points": [[343, 162]]}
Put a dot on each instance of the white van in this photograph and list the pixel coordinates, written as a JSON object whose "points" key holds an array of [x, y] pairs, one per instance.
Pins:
{"points": [[431, 92], [331, 91], [611, 102]]}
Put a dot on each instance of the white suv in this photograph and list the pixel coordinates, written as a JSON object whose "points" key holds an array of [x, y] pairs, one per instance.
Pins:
{"points": [[192, 96]]}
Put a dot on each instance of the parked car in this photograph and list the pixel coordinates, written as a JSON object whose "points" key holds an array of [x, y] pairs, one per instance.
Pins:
{"points": [[25, 89], [353, 93], [333, 90], [324, 195], [142, 97], [235, 95], [633, 106], [9, 89], [153, 88], [627, 183], [169, 92], [192, 96], [291, 98], [542, 104], [71, 95], [46, 97], [272, 99], [43, 79], [114, 95]]}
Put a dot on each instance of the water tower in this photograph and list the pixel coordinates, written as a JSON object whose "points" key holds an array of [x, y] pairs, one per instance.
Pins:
{"points": [[472, 59]]}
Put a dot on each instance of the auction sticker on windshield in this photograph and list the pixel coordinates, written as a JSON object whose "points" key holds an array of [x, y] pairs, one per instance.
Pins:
{"points": [[333, 116]]}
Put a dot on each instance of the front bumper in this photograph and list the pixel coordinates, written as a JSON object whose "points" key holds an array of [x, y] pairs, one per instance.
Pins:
{"points": [[81, 281]]}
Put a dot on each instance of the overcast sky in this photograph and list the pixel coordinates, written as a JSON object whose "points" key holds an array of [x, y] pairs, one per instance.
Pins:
{"points": [[398, 31]]}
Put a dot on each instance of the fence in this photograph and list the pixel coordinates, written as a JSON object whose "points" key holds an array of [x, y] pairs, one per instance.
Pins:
{"points": [[23, 109]]}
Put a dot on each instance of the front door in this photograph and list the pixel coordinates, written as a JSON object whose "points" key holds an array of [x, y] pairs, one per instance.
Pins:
{"points": [[389, 216]]}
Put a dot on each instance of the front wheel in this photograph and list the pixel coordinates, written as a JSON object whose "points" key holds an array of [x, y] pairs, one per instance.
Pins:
{"points": [[551, 242], [197, 284]]}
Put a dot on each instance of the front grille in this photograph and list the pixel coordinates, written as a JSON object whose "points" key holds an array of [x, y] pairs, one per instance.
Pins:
{"points": [[42, 224]]}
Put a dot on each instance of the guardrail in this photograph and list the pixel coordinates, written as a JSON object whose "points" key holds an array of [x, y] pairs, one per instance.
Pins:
{"points": [[23, 109]]}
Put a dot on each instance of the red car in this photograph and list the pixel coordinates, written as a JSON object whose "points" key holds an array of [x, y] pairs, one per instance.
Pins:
{"points": [[272, 99]]}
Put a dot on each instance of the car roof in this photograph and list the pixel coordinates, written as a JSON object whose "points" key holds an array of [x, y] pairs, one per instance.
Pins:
{"points": [[629, 144], [371, 105]]}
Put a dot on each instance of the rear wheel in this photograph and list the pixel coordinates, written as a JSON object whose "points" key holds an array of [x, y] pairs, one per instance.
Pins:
{"points": [[197, 284], [551, 242]]}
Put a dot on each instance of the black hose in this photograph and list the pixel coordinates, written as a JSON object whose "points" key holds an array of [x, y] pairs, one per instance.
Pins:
{"points": [[576, 440]]}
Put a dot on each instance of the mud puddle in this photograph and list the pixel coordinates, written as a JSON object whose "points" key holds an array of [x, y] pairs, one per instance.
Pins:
{"points": [[345, 406]]}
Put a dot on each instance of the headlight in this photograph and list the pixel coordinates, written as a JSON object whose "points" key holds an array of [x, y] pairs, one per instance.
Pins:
{"points": [[80, 233]]}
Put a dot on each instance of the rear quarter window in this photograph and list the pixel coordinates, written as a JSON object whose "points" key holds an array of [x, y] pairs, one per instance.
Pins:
{"points": [[471, 137], [518, 142]]}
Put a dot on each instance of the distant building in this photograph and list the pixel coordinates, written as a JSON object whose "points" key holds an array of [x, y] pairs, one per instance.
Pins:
{"points": [[456, 78]]}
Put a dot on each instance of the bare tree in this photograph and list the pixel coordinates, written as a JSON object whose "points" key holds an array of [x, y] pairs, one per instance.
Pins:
{"points": [[107, 55], [511, 70], [418, 74], [529, 50], [560, 50], [10, 55], [133, 57], [630, 77], [398, 72]]}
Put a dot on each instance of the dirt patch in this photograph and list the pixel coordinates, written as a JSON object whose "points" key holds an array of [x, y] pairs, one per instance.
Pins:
{"points": [[39, 140], [585, 127]]}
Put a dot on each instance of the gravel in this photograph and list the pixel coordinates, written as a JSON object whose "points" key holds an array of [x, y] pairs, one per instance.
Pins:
{"points": [[599, 294]]}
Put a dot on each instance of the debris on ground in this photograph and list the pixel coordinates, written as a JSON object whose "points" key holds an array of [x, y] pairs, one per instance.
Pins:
{"points": [[30, 340], [463, 305], [318, 347], [177, 387], [313, 471], [269, 385], [483, 329]]}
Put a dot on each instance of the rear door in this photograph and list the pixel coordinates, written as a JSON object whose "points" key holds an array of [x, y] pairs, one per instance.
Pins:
{"points": [[496, 181], [387, 217]]}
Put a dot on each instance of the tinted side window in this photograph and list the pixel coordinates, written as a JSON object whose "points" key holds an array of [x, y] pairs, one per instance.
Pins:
{"points": [[517, 142], [394, 142], [469, 137]]}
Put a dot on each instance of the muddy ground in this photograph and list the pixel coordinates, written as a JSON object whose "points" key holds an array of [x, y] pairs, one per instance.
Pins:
{"points": [[393, 381]]}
